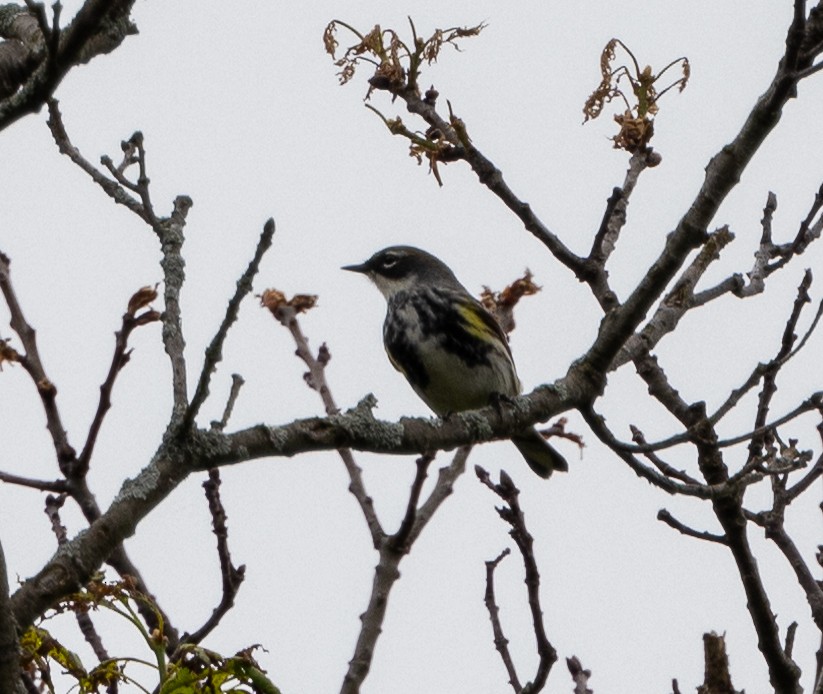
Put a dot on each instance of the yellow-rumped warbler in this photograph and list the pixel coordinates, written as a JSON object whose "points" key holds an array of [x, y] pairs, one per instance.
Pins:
{"points": [[450, 349]]}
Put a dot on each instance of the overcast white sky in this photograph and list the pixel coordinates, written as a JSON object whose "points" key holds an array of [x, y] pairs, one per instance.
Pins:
{"points": [[241, 110]]}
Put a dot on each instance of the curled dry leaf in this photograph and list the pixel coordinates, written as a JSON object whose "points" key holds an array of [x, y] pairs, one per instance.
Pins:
{"points": [[274, 299], [7, 353], [396, 62], [634, 134], [141, 298], [641, 99], [501, 304]]}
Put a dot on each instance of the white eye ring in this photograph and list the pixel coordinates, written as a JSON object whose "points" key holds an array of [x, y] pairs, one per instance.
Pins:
{"points": [[390, 262]]}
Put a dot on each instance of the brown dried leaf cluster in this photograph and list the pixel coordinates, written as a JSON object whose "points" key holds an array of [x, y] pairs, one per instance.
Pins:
{"points": [[141, 298], [642, 102], [501, 304], [274, 300], [396, 64], [441, 37]]}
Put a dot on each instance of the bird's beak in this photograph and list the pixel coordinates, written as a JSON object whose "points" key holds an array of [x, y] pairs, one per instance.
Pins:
{"points": [[362, 268]]}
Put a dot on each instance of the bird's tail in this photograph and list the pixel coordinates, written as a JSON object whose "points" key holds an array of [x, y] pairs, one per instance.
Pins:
{"points": [[539, 454]]}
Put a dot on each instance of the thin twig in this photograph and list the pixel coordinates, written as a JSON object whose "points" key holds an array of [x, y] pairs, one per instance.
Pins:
{"points": [[501, 643], [513, 515], [120, 358], [598, 425], [770, 374], [676, 303], [286, 314], [580, 676], [214, 352], [401, 537], [112, 188], [30, 361], [232, 576], [87, 628], [237, 383], [662, 465], [672, 522], [55, 486]]}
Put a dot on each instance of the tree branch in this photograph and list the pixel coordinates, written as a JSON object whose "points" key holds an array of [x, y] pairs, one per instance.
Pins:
{"points": [[99, 27], [169, 230], [232, 576], [120, 358], [391, 550], [580, 676], [30, 361], [513, 515], [286, 314], [501, 643], [9, 646], [672, 522], [214, 352]]}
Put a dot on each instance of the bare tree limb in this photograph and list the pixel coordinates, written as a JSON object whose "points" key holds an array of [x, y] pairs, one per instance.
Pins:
{"points": [[237, 383], [30, 361], [120, 358], [726, 502], [580, 676], [99, 27], [232, 576], [9, 646], [401, 539], [770, 374], [115, 189], [717, 679], [672, 522], [286, 314], [87, 628], [169, 231], [513, 515], [391, 551], [662, 465], [56, 486], [598, 426], [214, 352], [501, 643]]}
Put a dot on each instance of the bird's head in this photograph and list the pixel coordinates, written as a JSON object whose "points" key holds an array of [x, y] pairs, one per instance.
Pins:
{"points": [[400, 268]]}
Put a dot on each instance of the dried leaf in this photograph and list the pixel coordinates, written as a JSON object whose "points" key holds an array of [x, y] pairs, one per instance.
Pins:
{"points": [[642, 101], [141, 298], [274, 300], [501, 304], [7, 353]]}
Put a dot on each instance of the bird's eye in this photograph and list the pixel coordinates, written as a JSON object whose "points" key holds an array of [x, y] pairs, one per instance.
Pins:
{"points": [[389, 262]]}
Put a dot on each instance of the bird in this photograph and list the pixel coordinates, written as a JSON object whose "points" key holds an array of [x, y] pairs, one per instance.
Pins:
{"points": [[451, 350]]}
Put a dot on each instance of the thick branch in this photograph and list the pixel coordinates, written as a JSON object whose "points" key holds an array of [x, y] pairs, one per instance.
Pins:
{"points": [[9, 647], [717, 679], [722, 174], [99, 27]]}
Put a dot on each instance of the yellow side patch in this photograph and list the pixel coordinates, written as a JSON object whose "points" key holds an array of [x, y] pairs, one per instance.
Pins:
{"points": [[476, 324]]}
